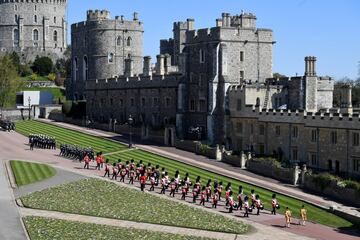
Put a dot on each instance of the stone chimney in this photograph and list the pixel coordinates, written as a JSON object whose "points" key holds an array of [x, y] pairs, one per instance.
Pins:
{"points": [[310, 66], [167, 63], [218, 22], [346, 99], [136, 16], [147, 66], [129, 67], [190, 23], [160, 69]]}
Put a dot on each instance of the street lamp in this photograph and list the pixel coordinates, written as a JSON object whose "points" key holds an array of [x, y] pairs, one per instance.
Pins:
{"points": [[130, 121], [29, 100]]}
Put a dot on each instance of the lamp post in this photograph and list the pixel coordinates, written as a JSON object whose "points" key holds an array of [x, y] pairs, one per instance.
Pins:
{"points": [[130, 121], [115, 122], [29, 101]]}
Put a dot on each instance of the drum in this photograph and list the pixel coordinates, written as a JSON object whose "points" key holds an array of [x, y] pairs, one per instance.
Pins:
{"points": [[277, 206]]}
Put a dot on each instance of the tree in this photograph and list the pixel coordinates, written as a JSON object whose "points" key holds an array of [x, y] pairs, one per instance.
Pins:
{"points": [[9, 81], [278, 75], [42, 65]]}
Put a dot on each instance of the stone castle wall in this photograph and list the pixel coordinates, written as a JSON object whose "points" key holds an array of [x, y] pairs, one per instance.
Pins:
{"points": [[47, 18]]}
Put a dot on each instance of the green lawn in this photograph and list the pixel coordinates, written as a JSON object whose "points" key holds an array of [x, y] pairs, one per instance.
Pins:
{"points": [[46, 228], [314, 213], [106, 199], [58, 93], [66, 136], [26, 172]]}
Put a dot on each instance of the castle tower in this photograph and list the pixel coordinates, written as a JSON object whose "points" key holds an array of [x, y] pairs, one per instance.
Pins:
{"points": [[33, 28], [102, 47]]}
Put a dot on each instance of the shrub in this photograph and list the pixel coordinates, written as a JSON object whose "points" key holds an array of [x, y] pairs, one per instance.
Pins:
{"points": [[204, 148], [25, 70], [42, 65], [352, 185], [66, 108], [324, 179], [33, 77], [51, 77]]}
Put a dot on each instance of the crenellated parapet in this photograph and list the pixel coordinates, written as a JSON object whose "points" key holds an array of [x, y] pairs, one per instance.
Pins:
{"points": [[58, 2]]}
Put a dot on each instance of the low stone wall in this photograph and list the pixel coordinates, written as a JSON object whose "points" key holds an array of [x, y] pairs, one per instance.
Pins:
{"points": [[30, 84], [19, 114], [266, 168], [235, 160], [46, 110], [210, 152], [187, 145], [342, 194]]}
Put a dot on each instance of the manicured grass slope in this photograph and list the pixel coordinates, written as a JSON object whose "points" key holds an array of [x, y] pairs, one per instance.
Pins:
{"points": [[105, 199], [46, 228], [315, 214], [26, 173], [65, 136]]}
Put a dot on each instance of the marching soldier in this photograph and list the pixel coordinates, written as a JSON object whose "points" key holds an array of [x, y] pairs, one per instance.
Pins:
{"points": [[246, 206], [107, 168], [183, 190], [287, 217], [219, 189], [163, 184], [142, 182], [253, 198], [132, 175], [303, 216], [114, 171], [258, 204], [231, 202], [98, 161], [152, 182], [203, 196], [208, 192], [172, 187], [215, 198], [240, 198], [122, 174]]}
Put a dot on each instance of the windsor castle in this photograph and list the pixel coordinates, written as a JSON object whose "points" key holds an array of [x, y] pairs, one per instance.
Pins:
{"points": [[214, 84]]}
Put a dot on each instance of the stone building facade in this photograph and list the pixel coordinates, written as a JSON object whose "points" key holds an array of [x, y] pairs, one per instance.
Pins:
{"points": [[33, 28], [302, 129], [101, 46]]}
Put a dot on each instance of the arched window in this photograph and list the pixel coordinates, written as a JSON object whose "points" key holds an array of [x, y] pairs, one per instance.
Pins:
{"points": [[16, 37], [36, 35], [75, 64], [55, 37], [35, 19], [85, 68], [111, 58], [257, 102], [54, 19], [128, 42], [118, 41]]}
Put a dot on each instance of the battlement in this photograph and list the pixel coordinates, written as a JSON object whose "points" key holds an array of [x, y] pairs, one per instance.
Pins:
{"points": [[134, 82], [204, 34], [97, 15], [59, 2], [324, 118]]}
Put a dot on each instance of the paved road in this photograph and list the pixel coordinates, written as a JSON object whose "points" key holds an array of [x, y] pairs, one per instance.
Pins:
{"points": [[11, 226]]}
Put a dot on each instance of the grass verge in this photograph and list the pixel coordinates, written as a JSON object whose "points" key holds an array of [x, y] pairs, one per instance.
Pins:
{"points": [[105, 199], [73, 137], [26, 173], [40, 228]]}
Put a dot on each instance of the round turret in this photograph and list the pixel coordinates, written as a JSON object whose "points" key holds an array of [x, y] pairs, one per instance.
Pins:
{"points": [[33, 28]]}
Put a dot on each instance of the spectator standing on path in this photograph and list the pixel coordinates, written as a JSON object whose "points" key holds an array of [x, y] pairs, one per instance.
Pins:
{"points": [[87, 161], [287, 217], [142, 181], [215, 199], [303, 216], [274, 204]]}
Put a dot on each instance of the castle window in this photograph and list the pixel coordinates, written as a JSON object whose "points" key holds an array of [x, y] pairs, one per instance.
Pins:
{"points": [[54, 19], [295, 131], [36, 35], [201, 80], [35, 8], [118, 41], [128, 42], [15, 7], [313, 135], [294, 154], [261, 130], [238, 105], [143, 102], [167, 102], [35, 19], [110, 58], [16, 37], [54, 9], [55, 37], [192, 105], [277, 130], [333, 137], [16, 18], [356, 164], [202, 107], [202, 56], [313, 159], [85, 68], [241, 76], [356, 139], [75, 66], [155, 102], [239, 127], [132, 102], [241, 56]]}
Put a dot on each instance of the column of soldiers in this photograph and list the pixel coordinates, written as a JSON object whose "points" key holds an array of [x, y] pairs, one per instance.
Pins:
{"points": [[7, 126], [76, 152], [41, 141]]}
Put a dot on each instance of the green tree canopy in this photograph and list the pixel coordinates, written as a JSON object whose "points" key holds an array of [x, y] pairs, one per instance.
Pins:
{"points": [[9, 81], [279, 75], [42, 65]]}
